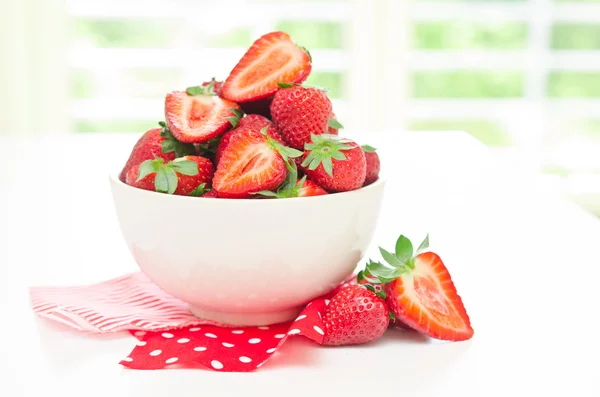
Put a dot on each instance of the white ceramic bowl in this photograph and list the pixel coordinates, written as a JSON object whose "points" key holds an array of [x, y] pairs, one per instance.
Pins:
{"points": [[247, 262]]}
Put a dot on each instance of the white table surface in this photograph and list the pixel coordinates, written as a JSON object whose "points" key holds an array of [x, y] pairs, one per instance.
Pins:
{"points": [[525, 262]]}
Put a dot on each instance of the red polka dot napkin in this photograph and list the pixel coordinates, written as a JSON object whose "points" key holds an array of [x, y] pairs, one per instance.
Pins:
{"points": [[168, 334]]}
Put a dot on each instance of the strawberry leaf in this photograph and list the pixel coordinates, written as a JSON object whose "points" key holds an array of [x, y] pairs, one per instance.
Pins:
{"points": [[389, 258], [161, 183], [184, 167], [268, 193], [404, 249], [333, 123], [392, 316], [200, 190], [148, 167], [368, 148], [283, 150], [209, 148], [360, 276], [322, 149], [235, 119], [287, 85], [328, 166], [170, 144], [423, 246], [201, 90]]}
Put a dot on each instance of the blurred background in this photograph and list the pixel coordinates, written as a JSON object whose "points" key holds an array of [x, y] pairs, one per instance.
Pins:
{"points": [[522, 76]]}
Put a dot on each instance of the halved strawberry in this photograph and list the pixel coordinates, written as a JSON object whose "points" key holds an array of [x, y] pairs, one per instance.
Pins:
{"points": [[272, 59], [197, 115], [184, 176], [420, 291], [254, 121], [252, 161]]}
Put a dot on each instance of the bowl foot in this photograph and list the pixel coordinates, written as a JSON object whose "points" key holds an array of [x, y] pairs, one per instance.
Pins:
{"points": [[246, 319]]}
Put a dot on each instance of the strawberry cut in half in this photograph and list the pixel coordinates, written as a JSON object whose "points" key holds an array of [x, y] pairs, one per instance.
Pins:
{"points": [[272, 59], [252, 162], [420, 291], [197, 115]]}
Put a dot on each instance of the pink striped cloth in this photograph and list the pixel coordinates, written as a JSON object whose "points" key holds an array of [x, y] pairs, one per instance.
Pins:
{"points": [[130, 302]]}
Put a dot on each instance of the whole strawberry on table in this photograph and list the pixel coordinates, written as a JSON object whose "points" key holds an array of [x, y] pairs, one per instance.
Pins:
{"points": [[259, 134]]}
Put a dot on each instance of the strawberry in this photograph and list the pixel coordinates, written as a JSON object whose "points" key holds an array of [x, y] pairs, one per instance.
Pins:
{"points": [[252, 161], [420, 291], [300, 112], [211, 194], [271, 59], [184, 176], [337, 164], [258, 121], [157, 142], [217, 86], [294, 188], [198, 115], [355, 315], [373, 164], [333, 125], [250, 121]]}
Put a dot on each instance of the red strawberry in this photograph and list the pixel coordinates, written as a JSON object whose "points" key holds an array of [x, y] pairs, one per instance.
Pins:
{"points": [[184, 176], [157, 142], [271, 59], [420, 292], [253, 121], [355, 315], [294, 188], [217, 86], [373, 164], [211, 194], [258, 121], [334, 125], [251, 162], [198, 115], [300, 112], [337, 164]]}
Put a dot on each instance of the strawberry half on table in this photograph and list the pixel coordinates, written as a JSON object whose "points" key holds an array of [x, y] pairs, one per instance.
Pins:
{"points": [[252, 161], [337, 164], [419, 291], [272, 59], [198, 115], [184, 176]]}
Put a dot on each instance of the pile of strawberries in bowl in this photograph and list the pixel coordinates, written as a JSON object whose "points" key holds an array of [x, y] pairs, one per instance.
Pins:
{"points": [[258, 134]]}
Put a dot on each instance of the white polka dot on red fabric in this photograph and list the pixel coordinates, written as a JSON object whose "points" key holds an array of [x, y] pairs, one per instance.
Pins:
{"points": [[319, 330], [237, 331], [280, 336], [141, 343], [128, 359], [254, 341], [271, 350], [155, 352], [167, 335], [200, 348], [209, 335], [194, 329], [245, 359], [294, 331], [171, 360], [228, 344], [216, 364], [301, 317], [183, 340], [140, 333]]}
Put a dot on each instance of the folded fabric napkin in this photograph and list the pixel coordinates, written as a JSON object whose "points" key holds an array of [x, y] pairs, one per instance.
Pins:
{"points": [[168, 334]]}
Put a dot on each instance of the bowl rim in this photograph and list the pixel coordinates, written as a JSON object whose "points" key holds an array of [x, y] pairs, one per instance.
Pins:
{"points": [[114, 178]]}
